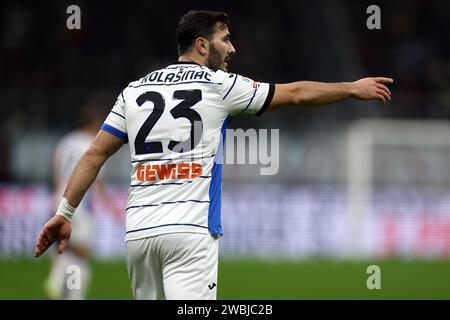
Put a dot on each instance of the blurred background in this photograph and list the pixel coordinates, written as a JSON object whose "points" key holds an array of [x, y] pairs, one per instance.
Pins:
{"points": [[359, 183]]}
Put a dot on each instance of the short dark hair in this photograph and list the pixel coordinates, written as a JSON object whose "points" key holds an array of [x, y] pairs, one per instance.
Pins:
{"points": [[198, 23]]}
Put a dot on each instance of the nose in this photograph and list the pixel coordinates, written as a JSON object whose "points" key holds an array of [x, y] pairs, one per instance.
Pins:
{"points": [[231, 50]]}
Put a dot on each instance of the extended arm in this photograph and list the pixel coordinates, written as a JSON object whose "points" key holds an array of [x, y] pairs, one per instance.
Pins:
{"points": [[84, 174], [315, 94]]}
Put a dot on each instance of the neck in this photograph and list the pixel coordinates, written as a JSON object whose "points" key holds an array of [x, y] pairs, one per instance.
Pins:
{"points": [[192, 58]]}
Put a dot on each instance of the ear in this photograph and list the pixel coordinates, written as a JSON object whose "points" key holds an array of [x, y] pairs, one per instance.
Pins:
{"points": [[202, 46]]}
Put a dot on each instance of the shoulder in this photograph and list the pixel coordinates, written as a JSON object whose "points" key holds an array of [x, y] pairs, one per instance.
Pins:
{"points": [[229, 79], [225, 79], [221, 76]]}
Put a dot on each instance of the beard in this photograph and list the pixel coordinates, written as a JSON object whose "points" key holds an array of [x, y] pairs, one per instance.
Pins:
{"points": [[215, 61]]}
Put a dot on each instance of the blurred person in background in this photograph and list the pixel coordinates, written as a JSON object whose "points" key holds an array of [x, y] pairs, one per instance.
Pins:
{"points": [[67, 153], [172, 228]]}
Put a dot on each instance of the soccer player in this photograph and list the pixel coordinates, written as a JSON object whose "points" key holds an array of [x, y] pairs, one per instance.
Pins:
{"points": [[174, 119], [68, 151]]}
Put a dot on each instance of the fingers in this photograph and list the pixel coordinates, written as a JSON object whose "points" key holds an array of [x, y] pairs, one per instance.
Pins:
{"points": [[381, 98], [384, 94], [384, 88], [383, 80], [62, 245], [42, 244]]}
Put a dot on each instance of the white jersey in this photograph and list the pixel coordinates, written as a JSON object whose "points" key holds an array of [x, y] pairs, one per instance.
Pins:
{"points": [[67, 153], [175, 119]]}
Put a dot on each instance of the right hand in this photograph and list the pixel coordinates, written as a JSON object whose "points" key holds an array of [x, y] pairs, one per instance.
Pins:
{"points": [[57, 228], [372, 88]]}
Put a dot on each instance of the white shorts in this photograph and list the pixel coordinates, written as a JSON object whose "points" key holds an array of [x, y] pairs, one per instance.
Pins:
{"points": [[173, 266]]}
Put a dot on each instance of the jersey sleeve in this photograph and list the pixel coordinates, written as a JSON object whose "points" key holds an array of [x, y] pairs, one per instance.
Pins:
{"points": [[243, 95], [115, 122]]}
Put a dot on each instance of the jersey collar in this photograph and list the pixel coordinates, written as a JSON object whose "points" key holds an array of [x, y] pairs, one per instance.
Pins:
{"points": [[186, 62]]}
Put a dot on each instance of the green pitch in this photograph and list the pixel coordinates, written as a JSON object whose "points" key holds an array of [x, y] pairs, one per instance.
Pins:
{"points": [[254, 279]]}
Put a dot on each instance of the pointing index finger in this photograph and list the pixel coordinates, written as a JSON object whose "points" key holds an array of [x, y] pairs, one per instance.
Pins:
{"points": [[384, 80]]}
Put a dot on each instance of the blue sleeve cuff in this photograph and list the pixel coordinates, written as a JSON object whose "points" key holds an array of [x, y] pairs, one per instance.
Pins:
{"points": [[115, 132]]}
